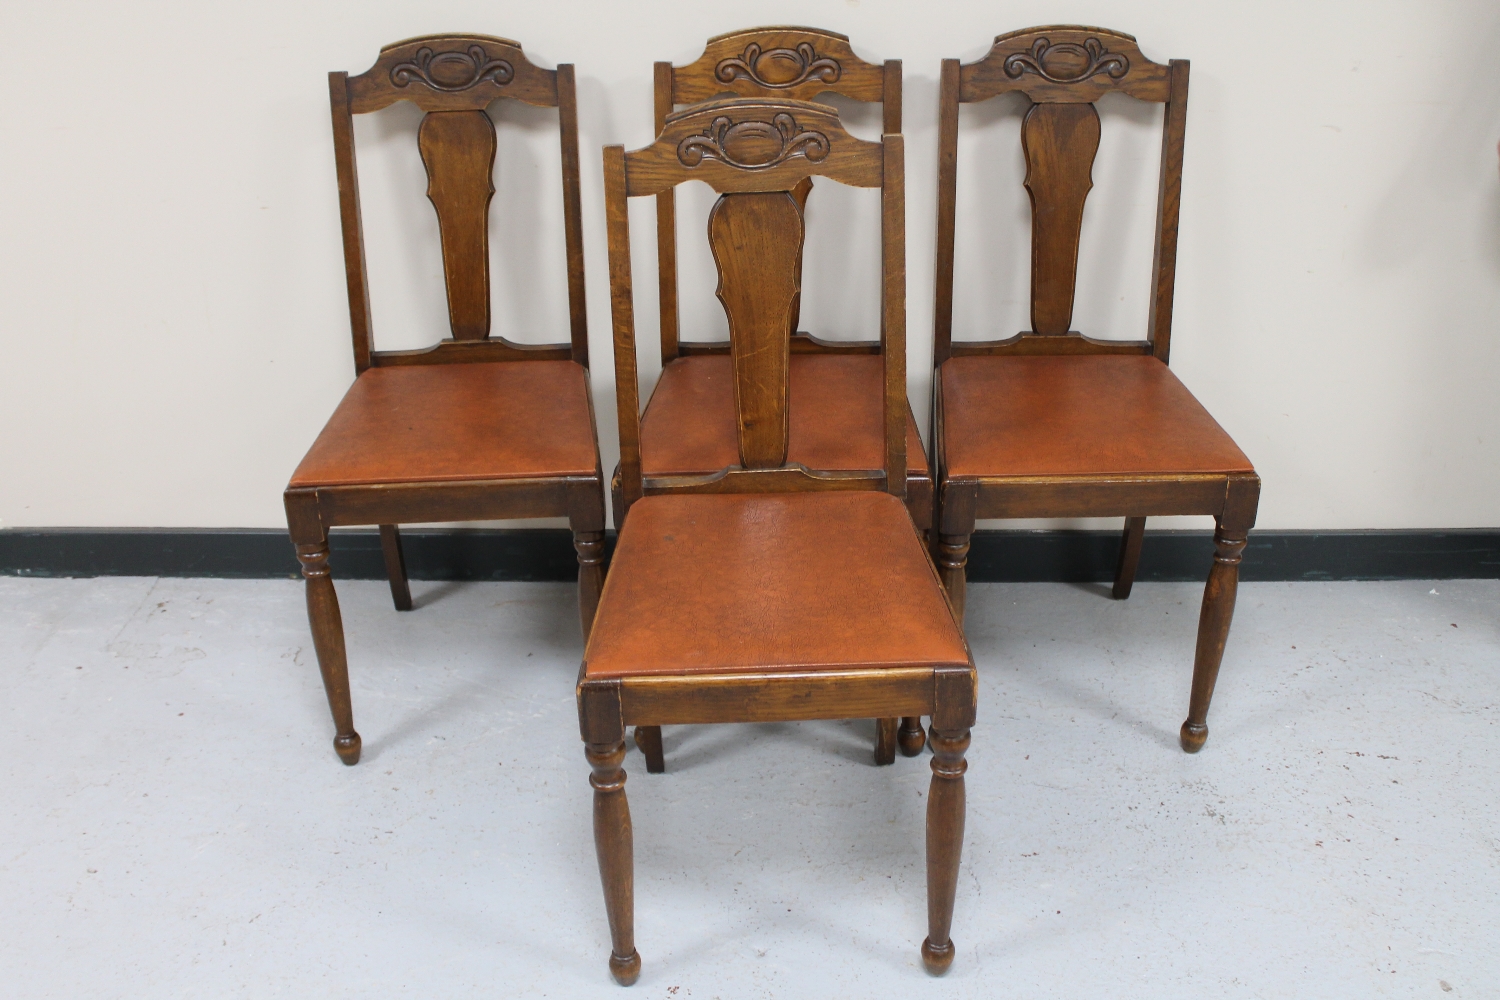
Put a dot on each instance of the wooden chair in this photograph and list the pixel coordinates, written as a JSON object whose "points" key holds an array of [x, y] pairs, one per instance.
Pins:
{"points": [[767, 591], [688, 427], [475, 427], [1051, 423]]}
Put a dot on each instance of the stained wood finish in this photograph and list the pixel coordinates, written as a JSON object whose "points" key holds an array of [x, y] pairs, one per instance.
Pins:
{"points": [[1213, 631], [947, 695], [614, 843], [356, 275], [751, 145], [452, 73], [893, 310], [1168, 205], [648, 741], [787, 63], [622, 315], [454, 78], [395, 566], [666, 228], [328, 641], [567, 120], [945, 838], [885, 741], [1130, 556], [1063, 69], [455, 73], [740, 148], [772, 62], [1065, 63], [801, 343], [590, 548], [911, 737], [459, 352], [458, 149], [757, 243], [756, 153], [1059, 141]]}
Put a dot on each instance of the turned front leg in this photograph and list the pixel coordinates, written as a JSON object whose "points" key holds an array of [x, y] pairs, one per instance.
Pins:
{"points": [[953, 560], [328, 640], [1213, 631], [614, 844], [590, 548], [945, 841]]}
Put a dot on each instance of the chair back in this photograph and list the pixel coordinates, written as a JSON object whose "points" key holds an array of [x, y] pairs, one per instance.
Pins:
{"points": [[755, 152], [454, 78], [778, 63], [1062, 69]]}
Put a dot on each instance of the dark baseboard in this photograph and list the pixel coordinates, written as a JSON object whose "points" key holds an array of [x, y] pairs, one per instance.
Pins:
{"points": [[254, 553], [547, 554], [1090, 556]]}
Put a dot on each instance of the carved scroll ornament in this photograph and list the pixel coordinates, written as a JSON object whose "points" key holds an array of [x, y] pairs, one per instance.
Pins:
{"points": [[1069, 61], [452, 72], [778, 69], [753, 145]]}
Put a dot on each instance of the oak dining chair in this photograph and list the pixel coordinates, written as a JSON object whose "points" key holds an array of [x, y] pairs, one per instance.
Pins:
{"points": [[475, 427], [1054, 423], [688, 427], [767, 590]]}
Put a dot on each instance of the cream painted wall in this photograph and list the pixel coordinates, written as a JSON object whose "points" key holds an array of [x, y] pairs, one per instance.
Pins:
{"points": [[174, 322]]}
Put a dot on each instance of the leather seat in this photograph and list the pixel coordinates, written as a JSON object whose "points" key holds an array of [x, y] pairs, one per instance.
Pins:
{"points": [[1093, 415], [835, 417], [442, 423], [743, 582]]}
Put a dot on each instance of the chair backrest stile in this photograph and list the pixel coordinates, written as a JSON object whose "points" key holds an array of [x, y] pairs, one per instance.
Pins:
{"points": [[755, 153], [454, 78], [1062, 69]]}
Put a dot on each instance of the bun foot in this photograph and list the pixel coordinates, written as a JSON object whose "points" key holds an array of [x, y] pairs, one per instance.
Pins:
{"points": [[937, 960], [910, 737], [348, 748], [625, 970], [1192, 737]]}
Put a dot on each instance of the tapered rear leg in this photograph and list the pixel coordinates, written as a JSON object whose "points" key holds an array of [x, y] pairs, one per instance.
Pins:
{"points": [[910, 737], [1130, 556], [395, 566], [885, 741], [1213, 631], [648, 739], [590, 548], [614, 843], [945, 841], [328, 639]]}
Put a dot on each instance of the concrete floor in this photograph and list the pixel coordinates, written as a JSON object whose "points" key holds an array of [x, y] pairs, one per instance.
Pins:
{"points": [[175, 822]]}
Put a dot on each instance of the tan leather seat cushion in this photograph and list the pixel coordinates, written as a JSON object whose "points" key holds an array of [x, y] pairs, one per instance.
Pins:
{"points": [[835, 417], [1060, 416], [440, 423], [750, 582]]}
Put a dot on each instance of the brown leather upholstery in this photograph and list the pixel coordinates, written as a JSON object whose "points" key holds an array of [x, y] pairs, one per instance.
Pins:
{"points": [[835, 417], [437, 423], [752, 581], [1092, 415]]}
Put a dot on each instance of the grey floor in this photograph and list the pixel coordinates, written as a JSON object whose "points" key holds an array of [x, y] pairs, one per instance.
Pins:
{"points": [[175, 822]]}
